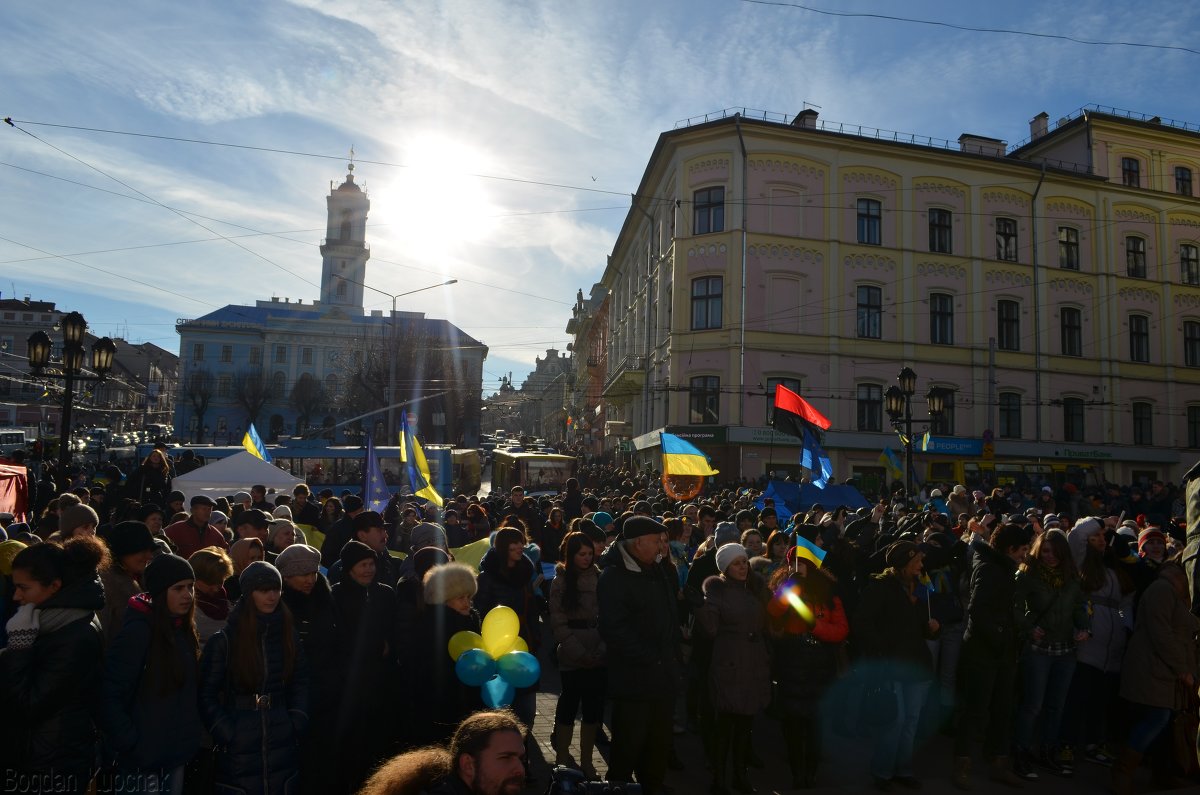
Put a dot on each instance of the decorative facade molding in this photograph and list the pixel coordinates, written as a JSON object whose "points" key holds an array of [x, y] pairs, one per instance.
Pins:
{"points": [[938, 186], [1062, 207], [787, 165], [1006, 196], [873, 177], [869, 262], [806, 255], [1008, 277], [1078, 286], [941, 269], [1138, 294], [1131, 214], [710, 250]]}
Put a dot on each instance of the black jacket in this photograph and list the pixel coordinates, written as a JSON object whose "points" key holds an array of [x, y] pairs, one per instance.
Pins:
{"points": [[149, 729], [49, 690], [440, 700], [256, 732], [336, 537], [891, 628], [640, 626], [991, 606], [387, 570], [513, 587], [317, 627], [366, 645]]}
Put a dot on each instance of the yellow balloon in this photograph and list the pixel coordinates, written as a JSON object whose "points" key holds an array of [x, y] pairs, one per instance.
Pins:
{"points": [[462, 642], [500, 629], [520, 645]]}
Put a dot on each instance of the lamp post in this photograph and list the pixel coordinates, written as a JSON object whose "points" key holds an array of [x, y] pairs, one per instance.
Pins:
{"points": [[39, 346], [898, 403]]}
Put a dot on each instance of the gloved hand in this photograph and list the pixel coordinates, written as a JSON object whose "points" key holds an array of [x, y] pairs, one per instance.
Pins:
{"points": [[22, 628]]}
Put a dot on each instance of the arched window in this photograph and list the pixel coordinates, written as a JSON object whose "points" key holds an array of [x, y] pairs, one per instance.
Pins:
{"points": [[332, 385], [278, 385]]}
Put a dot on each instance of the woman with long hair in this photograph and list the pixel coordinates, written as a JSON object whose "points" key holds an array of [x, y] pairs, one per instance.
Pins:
{"points": [[151, 718], [807, 636], [254, 689], [478, 524], [575, 621], [152, 481], [52, 667], [1055, 621], [734, 615], [552, 533], [331, 513], [774, 555], [244, 552]]}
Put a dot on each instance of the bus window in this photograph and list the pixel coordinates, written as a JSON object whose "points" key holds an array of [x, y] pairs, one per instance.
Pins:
{"points": [[941, 472]]}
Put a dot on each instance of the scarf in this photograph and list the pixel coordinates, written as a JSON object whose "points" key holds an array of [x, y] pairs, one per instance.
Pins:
{"points": [[1052, 577], [53, 619], [215, 606]]}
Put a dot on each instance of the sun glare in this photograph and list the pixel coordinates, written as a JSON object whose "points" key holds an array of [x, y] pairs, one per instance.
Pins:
{"points": [[433, 205]]}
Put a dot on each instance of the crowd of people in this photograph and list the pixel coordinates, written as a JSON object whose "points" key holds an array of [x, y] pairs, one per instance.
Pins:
{"points": [[299, 643]]}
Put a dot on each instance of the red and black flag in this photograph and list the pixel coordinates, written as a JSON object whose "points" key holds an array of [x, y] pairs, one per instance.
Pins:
{"points": [[793, 414]]}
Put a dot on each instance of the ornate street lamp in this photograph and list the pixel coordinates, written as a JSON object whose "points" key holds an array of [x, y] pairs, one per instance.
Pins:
{"points": [[897, 402]]}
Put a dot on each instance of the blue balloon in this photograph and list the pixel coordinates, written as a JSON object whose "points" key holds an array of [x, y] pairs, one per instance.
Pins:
{"points": [[474, 667], [497, 693], [519, 668]]}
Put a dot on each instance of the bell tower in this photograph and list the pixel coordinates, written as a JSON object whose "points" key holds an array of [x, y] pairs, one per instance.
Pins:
{"points": [[344, 252]]}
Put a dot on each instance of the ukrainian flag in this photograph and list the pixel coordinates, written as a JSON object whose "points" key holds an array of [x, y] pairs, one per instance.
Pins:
{"points": [[809, 551], [683, 458], [892, 461], [254, 445], [413, 457]]}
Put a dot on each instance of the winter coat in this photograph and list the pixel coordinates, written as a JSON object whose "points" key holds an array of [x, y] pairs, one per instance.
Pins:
{"points": [[336, 537], [49, 689], [190, 538], [256, 733], [734, 615], [992, 614], [804, 664], [891, 628], [387, 570], [1111, 622], [149, 729], [577, 631], [501, 585], [440, 700], [317, 628], [1162, 649], [211, 615], [119, 588], [572, 506], [1059, 611], [639, 626], [366, 645]]}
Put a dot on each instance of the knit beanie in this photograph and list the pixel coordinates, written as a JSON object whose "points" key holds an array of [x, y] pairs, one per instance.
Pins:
{"points": [[298, 559], [148, 510], [727, 554], [602, 519], [1077, 539], [726, 533], [164, 571], [427, 534], [76, 516], [282, 512], [260, 576], [8, 551], [354, 552], [1149, 534], [426, 558], [129, 538]]}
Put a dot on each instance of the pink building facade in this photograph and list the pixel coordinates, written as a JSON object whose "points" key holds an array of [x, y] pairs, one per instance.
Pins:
{"points": [[1049, 291]]}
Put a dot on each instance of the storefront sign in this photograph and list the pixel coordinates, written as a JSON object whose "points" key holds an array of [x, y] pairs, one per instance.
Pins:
{"points": [[761, 436], [948, 445], [1095, 455], [699, 434]]}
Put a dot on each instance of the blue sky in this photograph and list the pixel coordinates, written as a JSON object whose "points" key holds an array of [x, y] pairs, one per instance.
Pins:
{"points": [[570, 93]]}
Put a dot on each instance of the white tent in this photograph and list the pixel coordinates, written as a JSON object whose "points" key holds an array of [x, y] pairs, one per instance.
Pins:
{"points": [[228, 476]]}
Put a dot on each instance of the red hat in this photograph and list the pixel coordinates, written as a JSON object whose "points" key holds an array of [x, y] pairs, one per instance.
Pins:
{"points": [[1148, 534]]}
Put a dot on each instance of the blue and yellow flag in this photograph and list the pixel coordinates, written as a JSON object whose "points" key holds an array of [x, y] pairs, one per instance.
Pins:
{"points": [[809, 551], [254, 444], [683, 458], [413, 457], [892, 461], [925, 442], [375, 493]]}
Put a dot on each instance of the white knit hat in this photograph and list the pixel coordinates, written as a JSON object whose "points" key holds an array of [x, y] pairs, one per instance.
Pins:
{"points": [[727, 554]]}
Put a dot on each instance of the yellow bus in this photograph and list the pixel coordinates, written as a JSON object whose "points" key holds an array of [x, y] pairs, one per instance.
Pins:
{"points": [[467, 472], [975, 473], [537, 473]]}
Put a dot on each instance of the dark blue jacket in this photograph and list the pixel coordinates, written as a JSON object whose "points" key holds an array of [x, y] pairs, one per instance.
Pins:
{"points": [[257, 747], [148, 728]]}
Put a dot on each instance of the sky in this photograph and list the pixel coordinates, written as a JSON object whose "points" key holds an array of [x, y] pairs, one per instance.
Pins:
{"points": [[499, 141]]}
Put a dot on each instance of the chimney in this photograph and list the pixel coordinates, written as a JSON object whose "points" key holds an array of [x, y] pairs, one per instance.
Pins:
{"points": [[287, 300], [806, 118], [1039, 125], [981, 145]]}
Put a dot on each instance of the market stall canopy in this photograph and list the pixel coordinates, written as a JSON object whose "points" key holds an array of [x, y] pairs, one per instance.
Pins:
{"points": [[230, 475]]}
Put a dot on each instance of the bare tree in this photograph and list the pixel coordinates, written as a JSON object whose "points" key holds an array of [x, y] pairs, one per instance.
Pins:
{"points": [[251, 390], [198, 389], [308, 398]]}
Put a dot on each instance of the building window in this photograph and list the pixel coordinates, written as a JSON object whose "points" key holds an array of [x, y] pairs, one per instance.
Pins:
{"points": [[1135, 256], [224, 386], [941, 319], [943, 425], [1071, 325], [1189, 264], [1191, 343], [341, 289], [1131, 172], [278, 385], [1068, 248], [198, 352], [1008, 325], [704, 401], [706, 302], [787, 383], [870, 407], [1143, 424], [280, 354], [708, 211], [870, 312], [1006, 239], [333, 387], [1010, 415], [226, 353], [306, 356], [1073, 419], [939, 230], [1183, 181], [870, 222], [256, 356], [1193, 421], [1139, 338]]}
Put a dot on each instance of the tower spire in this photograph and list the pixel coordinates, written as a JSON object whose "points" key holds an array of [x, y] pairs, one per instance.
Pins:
{"points": [[351, 166]]}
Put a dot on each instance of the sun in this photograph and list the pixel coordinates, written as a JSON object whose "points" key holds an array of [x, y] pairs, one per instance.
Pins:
{"points": [[434, 204]]}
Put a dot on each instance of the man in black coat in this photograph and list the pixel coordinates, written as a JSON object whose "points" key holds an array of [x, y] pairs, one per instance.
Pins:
{"points": [[526, 510], [340, 531], [369, 529], [640, 627]]}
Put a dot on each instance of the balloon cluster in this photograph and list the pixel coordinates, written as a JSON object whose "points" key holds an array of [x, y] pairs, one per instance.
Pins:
{"points": [[498, 661]]}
